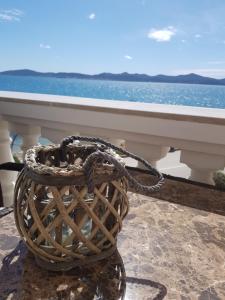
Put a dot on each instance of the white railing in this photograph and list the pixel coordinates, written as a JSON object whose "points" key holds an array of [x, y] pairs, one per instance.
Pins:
{"points": [[146, 129]]}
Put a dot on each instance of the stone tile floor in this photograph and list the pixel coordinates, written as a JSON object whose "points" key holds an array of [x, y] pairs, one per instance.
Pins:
{"points": [[169, 251]]}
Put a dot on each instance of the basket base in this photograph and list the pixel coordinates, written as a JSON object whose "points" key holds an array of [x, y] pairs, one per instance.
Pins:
{"points": [[68, 265]]}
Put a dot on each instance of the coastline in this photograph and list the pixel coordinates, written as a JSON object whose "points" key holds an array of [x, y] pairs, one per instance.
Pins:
{"points": [[191, 78]]}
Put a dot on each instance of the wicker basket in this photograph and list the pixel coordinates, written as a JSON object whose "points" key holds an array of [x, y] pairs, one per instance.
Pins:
{"points": [[69, 211]]}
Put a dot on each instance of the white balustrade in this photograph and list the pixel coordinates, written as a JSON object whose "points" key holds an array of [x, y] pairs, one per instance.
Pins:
{"points": [[7, 178], [202, 165], [30, 138], [56, 135], [150, 152], [118, 142], [145, 129]]}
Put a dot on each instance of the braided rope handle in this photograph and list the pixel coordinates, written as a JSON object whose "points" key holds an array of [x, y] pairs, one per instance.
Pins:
{"points": [[101, 156]]}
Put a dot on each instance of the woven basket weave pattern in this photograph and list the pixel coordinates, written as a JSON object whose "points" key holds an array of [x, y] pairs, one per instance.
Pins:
{"points": [[62, 223]]}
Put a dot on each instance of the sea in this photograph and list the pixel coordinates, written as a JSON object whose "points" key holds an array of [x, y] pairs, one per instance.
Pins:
{"points": [[148, 92], [163, 93]]}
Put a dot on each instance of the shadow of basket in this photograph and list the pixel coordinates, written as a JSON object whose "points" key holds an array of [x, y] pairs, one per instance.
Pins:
{"points": [[22, 279]]}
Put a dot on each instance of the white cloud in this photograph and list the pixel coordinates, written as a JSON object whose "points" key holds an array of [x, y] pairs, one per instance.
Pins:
{"points": [[45, 46], [183, 41], [198, 36], [128, 57], [10, 15], [91, 16], [162, 35]]}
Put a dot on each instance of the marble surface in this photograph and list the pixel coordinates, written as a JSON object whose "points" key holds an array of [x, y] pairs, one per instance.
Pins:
{"points": [[168, 251], [183, 191]]}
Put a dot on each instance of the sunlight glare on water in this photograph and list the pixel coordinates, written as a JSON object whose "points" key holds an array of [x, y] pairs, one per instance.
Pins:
{"points": [[164, 93]]}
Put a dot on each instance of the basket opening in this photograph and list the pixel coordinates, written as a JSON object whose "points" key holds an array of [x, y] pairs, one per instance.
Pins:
{"points": [[75, 155]]}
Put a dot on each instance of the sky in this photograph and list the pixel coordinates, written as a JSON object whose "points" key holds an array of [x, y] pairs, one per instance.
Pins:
{"points": [[94, 36]]}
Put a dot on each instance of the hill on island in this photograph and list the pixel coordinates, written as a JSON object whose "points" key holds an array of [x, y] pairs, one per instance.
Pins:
{"points": [[188, 78]]}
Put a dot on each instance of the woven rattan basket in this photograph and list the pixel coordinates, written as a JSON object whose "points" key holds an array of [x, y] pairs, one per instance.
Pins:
{"points": [[70, 201]]}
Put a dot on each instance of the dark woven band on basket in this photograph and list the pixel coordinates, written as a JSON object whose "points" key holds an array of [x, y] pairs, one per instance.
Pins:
{"points": [[65, 266], [79, 180]]}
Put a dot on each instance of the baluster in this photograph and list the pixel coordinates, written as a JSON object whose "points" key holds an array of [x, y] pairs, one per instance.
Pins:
{"points": [[7, 178], [152, 153], [30, 137], [202, 165], [117, 142]]}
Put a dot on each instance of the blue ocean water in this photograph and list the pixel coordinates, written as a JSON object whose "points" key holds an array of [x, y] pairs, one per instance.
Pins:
{"points": [[164, 93]]}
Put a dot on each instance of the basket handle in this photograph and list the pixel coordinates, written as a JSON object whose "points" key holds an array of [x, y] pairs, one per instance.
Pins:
{"points": [[101, 156]]}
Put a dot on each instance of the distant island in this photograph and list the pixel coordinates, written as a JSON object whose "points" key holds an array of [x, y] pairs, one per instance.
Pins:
{"points": [[188, 78]]}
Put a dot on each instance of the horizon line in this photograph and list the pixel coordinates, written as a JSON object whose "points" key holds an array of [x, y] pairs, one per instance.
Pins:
{"points": [[112, 73]]}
